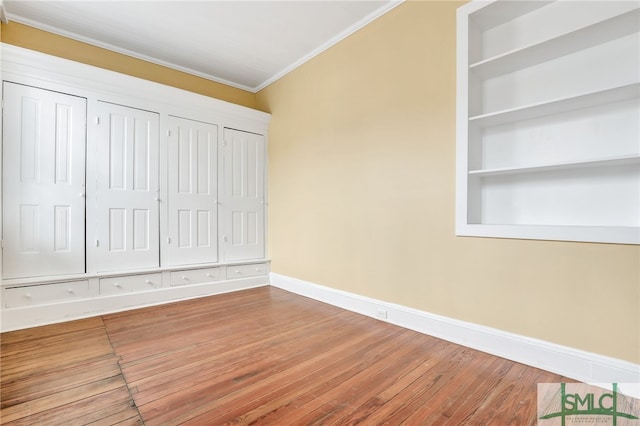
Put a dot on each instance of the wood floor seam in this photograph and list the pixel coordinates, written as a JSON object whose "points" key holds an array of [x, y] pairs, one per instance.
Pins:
{"points": [[118, 360], [262, 356]]}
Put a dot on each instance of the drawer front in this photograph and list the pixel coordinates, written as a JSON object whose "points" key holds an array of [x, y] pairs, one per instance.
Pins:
{"points": [[243, 271], [45, 293], [130, 284], [195, 276]]}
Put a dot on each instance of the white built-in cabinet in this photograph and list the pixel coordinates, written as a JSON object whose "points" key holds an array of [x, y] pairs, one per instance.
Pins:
{"points": [[44, 182], [124, 209], [244, 201], [548, 120], [119, 193], [192, 198]]}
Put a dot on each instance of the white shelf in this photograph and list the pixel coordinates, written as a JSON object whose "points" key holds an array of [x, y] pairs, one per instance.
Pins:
{"points": [[523, 60], [557, 106], [493, 14], [582, 38], [596, 234], [626, 160]]}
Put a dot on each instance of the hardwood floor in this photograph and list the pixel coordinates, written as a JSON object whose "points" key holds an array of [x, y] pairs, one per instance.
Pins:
{"points": [[261, 356], [63, 374]]}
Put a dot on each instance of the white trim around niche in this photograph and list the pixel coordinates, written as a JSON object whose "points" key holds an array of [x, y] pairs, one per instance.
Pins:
{"points": [[573, 363]]}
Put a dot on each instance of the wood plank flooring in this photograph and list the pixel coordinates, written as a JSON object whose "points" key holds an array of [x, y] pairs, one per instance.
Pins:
{"points": [[261, 356], [63, 374]]}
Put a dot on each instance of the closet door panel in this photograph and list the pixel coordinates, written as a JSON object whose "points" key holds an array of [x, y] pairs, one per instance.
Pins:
{"points": [[44, 138], [126, 200], [244, 204], [192, 192]]}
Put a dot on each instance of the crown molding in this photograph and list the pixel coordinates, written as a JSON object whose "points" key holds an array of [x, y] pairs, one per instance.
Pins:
{"points": [[335, 40], [74, 36], [3, 13]]}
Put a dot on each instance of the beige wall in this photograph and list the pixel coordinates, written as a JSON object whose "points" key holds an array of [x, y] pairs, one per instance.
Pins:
{"points": [[361, 187], [34, 39]]}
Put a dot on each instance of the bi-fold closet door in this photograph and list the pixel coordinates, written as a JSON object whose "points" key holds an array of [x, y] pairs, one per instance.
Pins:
{"points": [[45, 201], [192, 192], [244, 202], [43, 154], [196, 207], [128, 188], [123, 212]]}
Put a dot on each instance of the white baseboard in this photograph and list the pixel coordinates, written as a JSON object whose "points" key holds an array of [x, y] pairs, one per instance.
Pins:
{"points": [[576, 364]]}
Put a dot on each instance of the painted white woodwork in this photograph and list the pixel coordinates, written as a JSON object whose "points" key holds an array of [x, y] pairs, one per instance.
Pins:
{"points": [[242, 271], [244, 189], [548, 120], [68, 310], [129, 284], [47, 293], [3, 13], [43, 182], [128, 148], [192, 197], [195, 276], [127, 189]]}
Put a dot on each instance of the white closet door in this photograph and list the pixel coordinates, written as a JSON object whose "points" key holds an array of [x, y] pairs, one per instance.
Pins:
{"points": [[126, 199], [44, 138], [192, 192], [244, 203]]}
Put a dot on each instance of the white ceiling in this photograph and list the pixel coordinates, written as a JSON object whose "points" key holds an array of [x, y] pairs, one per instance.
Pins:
{"points": [[246, 44]]}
